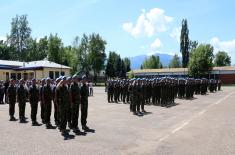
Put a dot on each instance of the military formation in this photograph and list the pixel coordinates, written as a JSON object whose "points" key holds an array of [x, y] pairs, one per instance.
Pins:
{"points": [[68, 95], [157, 91]]}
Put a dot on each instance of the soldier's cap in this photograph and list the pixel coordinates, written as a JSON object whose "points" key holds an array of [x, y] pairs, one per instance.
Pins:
{"points": [[48, 79], [21, 80], [57, 80], [74, 76], [43, 79], [33, 79], [63, 78], [68, 78]]}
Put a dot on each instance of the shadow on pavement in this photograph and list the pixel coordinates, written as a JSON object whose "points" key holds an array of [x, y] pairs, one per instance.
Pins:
{"points": [[80, 133], [90, 130], [68, 137]]}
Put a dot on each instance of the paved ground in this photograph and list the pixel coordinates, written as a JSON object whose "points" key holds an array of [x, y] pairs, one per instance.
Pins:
{"points": [[205, 125]]}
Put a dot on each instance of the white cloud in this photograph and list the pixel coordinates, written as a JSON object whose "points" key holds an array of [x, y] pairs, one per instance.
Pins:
{"points": [[148, 23], [227, 46], [156, 44], [175, 34]]}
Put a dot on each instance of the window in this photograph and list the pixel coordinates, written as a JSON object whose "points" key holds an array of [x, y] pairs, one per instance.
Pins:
{"points": [[31, 75], [7, 75], [62, 73], [13, 76], [25, 76], [51, 74], [19, 76], [57, 74]]}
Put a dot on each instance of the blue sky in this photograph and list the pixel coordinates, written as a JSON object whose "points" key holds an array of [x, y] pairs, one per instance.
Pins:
{"points": [[130, 27]]}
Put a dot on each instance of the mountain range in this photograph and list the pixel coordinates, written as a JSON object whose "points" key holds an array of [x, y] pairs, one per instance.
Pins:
{"points": [[136, 61]]}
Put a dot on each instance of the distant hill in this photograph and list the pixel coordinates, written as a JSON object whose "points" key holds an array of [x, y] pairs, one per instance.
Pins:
{"points": [[136, 61]]}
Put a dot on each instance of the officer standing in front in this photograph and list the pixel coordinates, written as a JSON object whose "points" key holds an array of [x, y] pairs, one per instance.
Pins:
{"points": [[84, 103]]}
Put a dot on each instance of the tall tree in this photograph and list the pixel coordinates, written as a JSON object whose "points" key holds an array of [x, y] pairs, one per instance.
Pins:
{"points": [[5, 51], [42, 48], [123, 69], [184, 43], [118, 66], [82, 54], [201, 61], [109, 70], [96, 55], [127, 63], [19, 35], [175, 62], [222, 59], [55, 50]]}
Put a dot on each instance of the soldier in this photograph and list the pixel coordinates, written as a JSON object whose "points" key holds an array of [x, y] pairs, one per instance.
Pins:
{"points": [[21, 97], [47, 98], [62, 94], [6, 85], [69, 113], [131, 91], [84, 103], [1, 92], [11, 93], [74, 92], [109, 92], [33, 100], [219, 85], [56, 110], [42, 104]]}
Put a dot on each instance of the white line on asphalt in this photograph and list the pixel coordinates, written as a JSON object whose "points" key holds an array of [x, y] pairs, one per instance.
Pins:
{"points": [[185, 123]]}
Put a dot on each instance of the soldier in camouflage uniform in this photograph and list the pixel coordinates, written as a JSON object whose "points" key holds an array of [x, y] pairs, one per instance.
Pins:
{"points": [[84, 103], [42, 104], [47, 97], [33, 99], [63, 101], [11, 93], [75, 102], [56, 109], [21, 97]]}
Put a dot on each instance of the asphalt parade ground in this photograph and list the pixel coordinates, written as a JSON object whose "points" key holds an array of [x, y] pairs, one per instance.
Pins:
{"points": [[204, 125]]}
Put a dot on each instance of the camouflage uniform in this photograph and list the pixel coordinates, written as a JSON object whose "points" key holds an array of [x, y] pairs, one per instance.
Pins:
{"points": [[33, 99], [21, 94]]}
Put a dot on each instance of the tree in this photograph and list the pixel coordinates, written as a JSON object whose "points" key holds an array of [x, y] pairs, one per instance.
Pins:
{"points": [[123, 69], [201, 61], [153, 62], [184, 43], [5, 51], [82, 54], [55, 50], [175, 62], [19, 36], [42, 48], [127, 63], [222, 59], [118, 65], [110, 70], [96, 54], [192, 45]]}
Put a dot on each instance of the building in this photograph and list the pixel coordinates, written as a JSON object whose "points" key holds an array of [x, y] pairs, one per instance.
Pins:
{"points": [[225, 74], [33, 69]]}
